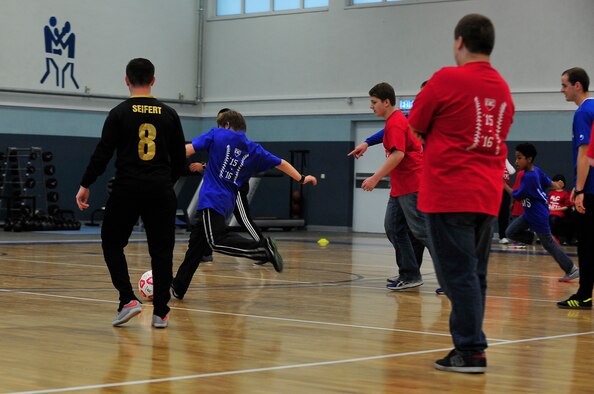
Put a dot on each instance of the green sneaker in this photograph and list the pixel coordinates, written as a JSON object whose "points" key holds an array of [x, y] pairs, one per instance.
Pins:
{"points": [[574, 302]]}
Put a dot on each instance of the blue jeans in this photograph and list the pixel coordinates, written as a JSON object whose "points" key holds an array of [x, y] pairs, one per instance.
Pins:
{"points": [[415, 218], [518, 231], [397, 229], [461, 244]]}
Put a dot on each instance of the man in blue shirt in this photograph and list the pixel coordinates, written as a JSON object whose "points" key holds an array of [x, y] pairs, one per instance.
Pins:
{"points": [[574, 85]]}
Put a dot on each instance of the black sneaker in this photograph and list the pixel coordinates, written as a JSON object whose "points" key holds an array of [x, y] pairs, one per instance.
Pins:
{"points": [[574, 302], [273, 255], [176, 294], [458, 362], [440, 291]]}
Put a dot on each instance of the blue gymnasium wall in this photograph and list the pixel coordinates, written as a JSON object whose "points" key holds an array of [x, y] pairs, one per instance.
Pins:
{"points": [[328, 138]]}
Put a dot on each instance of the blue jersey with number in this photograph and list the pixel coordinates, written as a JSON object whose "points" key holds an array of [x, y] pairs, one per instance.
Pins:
{"points": [[233, 159], [532, 193]]}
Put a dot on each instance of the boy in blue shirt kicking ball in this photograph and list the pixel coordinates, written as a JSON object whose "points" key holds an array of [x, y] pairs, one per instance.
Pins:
{"points": [[532, 193], [233, 159]]}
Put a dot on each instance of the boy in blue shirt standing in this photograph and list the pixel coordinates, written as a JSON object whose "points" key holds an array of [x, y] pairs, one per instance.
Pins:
{"points": [[233, 159], [532, 193]]}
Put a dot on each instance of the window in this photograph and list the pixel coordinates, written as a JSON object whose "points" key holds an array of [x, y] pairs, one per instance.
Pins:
{"points": [[244, 7], [355, 2]]}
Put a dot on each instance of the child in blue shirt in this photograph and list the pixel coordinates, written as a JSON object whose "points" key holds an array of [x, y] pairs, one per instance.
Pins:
{"points": [[532, 193], [233, 159]]}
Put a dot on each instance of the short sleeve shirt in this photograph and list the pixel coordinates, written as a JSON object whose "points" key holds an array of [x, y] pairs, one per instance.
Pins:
{"points": [[404, 178], [233, 159], [465, 114], [583, 120]]}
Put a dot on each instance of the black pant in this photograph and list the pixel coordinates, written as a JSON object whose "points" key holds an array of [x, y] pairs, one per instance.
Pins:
{"points": [[585, 248], [157, 211], [243, 215], [211, 231]]}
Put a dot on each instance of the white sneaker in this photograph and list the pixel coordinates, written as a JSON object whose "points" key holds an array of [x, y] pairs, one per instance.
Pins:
{"points": [[504, 241]]}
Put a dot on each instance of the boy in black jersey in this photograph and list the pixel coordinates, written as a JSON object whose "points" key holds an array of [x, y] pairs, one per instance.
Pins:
{"points": [[149, 142]]}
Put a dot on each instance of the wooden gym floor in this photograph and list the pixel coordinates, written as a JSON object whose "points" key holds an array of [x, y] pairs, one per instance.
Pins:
{"points": [[325, 325]]}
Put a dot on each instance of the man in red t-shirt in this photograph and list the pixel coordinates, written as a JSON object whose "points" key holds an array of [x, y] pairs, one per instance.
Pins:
{"points": [[403, 164], [463, 115]]}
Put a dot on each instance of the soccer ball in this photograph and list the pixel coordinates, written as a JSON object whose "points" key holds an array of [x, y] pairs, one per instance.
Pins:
{"points": [[145, 285]]}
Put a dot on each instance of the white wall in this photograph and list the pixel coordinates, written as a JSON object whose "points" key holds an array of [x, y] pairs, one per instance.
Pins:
{"points": [[108, 34], [312, 62]]}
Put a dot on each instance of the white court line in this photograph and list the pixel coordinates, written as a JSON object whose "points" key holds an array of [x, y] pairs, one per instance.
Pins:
{"points": [[284, 319], [265, 279], [283, 367]]}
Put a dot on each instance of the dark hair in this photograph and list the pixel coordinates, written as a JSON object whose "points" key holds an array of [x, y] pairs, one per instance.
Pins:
{"points": [[424, 83], [559, 177], [383, 91], [234, 119], [140, 72], [477, 32], [221, 111], [527, 150], [578, 74]]}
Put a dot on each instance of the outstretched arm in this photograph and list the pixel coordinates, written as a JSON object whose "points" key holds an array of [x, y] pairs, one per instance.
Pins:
{"points": [[375, 139], [291, 171]]}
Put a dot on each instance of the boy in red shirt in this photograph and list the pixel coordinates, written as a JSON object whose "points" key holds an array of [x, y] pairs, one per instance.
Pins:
{"points": [[560, 210], [403, 164], [463, 115]]}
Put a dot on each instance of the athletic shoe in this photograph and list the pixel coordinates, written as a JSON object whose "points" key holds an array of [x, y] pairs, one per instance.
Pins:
{"points": [[176, 294], [575, 273], [439, 291], [160, 322], [458, 362], [574, 302], [404, 284], [273, 255], [504, 241], [127, 312], [393, 279], [206, 259]]}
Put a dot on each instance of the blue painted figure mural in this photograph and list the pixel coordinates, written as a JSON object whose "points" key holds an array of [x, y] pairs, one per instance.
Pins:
{"points": [[59, 45]]}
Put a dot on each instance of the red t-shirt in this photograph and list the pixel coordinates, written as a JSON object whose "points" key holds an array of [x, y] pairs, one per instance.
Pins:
{"points": [[465, 114], [558, 199], [404, 178], [517, 208]]}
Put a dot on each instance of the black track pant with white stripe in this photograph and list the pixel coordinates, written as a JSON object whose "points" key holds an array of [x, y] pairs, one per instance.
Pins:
{"points": [[211, 231], [244, 217]]}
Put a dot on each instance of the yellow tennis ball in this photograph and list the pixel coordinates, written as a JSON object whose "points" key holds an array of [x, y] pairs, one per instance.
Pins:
{"points": [[323, 242]]}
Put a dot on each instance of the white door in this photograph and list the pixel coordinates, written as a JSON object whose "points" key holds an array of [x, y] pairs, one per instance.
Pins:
{"points": [[369, 207]]}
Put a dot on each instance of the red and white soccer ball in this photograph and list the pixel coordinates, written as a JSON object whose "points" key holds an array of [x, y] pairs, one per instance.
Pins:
{"points": [[145, 285]]}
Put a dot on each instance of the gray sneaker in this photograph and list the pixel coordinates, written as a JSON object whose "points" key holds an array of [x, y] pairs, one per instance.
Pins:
{"points": [[404, 284], [128, 311], [273, 255], [575, 273], [160, 323]]}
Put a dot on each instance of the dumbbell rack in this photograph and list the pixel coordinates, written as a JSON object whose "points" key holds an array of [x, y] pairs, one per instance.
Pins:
{"points": [[25, 179]]}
